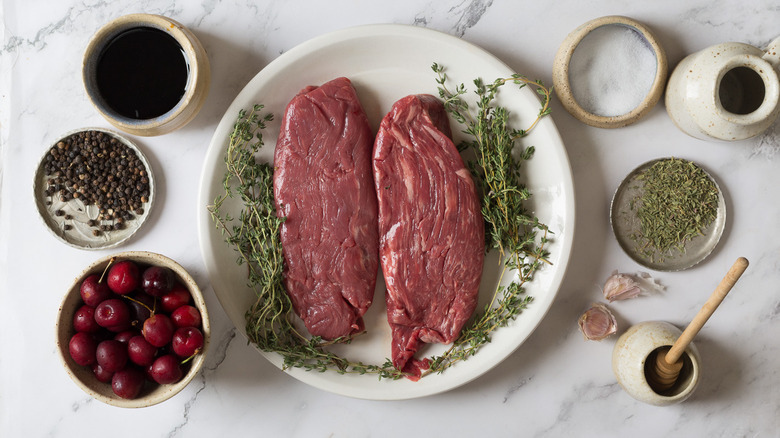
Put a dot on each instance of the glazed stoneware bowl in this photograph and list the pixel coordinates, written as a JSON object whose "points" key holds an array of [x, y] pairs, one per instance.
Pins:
{"points": [[83, 376], [198, 78]]}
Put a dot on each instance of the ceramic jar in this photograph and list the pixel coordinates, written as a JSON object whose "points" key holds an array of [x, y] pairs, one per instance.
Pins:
{"points": [[637, 348], [198, 76], [564, 88], [729, 91]]}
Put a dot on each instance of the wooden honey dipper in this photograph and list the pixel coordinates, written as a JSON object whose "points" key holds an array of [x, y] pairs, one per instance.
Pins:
{"points": [[668, 364]]}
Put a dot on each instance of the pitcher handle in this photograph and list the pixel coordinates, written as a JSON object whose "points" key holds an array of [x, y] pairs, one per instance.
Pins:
{"points": [[772, 54]]}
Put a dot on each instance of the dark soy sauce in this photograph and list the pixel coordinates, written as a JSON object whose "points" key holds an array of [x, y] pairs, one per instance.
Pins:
{"points": [[142, 73]]}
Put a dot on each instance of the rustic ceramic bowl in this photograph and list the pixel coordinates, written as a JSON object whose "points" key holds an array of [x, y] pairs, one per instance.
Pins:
{"points": [[636, 349], [196, 89], [563, 88], [83, 376]]}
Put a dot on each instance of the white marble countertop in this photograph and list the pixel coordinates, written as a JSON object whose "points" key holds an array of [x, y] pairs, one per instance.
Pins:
{"points": [[555, 384]]}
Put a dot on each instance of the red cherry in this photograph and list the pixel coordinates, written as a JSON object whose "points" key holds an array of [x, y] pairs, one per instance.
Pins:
{"points": [[187, 341], [158, 330], [166, 369], [93, 291], [113, 314], [124, 277], [101, 374], [148, 373], [177, 297], [125, 336], [186, 316], [82, 348], [84, 320], [140, 351], [141, 306], [111, 355], [127, 383], [157, 280]]}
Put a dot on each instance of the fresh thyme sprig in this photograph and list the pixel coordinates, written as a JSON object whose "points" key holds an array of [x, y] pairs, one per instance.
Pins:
{"points": [[254, 234], [509, 227]]}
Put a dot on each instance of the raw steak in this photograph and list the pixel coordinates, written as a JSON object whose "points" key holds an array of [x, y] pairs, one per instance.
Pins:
{"points": [[432, 240], [324, 188]]}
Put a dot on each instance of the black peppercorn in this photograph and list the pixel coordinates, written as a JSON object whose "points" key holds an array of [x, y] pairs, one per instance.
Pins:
{"points": [[99, 170]]}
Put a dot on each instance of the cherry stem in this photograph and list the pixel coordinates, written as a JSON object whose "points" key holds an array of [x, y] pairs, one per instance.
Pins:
{"points": [[141, 303], [197, 352], [112, 260]]}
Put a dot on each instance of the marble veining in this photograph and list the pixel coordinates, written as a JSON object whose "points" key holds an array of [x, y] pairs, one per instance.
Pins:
{"points": [[514, 388], [768, 145], [555, 384], [215, 360], [472, 13], [456, 18]]}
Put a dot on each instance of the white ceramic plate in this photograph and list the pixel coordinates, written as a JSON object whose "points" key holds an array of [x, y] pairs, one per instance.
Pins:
{"points": [[386, 63]]}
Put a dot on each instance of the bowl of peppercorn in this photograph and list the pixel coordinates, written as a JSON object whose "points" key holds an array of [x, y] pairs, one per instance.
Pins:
{"points": [[133, 329], [94, 188]]}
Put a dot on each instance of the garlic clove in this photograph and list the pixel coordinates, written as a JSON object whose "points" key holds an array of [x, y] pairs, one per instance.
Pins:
{"points": [[621, 287], [597, 323]]}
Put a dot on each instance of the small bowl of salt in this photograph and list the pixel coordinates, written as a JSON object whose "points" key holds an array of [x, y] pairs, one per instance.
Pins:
{"points": [[610, 72]]}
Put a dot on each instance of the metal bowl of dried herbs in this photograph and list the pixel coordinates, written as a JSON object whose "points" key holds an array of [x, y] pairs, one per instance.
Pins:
{"points": [[668, 214]]}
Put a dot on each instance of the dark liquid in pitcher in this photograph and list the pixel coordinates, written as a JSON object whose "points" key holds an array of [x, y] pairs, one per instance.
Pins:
{"points": [[741, 91], [142, 73]]}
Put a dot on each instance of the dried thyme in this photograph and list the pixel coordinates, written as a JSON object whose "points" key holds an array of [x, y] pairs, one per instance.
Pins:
{"points": [[677, 202]]}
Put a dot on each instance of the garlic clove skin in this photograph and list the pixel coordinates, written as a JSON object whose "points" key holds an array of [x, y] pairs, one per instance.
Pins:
{"points": [[621, 287], [648, 284], [597, 323]]}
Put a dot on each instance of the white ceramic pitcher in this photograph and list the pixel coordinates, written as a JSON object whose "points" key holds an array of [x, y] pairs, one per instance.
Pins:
{"points": [[729, 91]]}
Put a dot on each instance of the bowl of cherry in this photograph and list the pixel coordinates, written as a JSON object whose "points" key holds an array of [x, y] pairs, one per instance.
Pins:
{"points": [[133, 329]]}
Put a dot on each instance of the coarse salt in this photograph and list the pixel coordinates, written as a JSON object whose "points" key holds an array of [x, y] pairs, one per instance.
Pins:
{"points": [[612, 70]]}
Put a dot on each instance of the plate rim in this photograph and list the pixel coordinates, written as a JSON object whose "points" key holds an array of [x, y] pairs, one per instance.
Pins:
{"points": [[388, 30]]}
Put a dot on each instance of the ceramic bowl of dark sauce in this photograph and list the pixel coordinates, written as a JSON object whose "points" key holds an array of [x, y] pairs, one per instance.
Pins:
{"points": [[146, 74]]}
